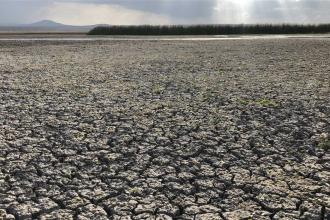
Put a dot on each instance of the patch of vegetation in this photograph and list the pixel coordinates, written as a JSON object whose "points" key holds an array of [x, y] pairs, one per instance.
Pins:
{"points": [[217, 119], [215, 116], [324, 144], [78, 91], [243, 101], [158, 89], [263, 102], [211, 29], [221, 72], [207, 95], [134, 190]]}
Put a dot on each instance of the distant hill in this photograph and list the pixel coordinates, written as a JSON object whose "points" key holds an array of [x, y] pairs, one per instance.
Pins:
{"points": [[46, 23], [46, 26]]}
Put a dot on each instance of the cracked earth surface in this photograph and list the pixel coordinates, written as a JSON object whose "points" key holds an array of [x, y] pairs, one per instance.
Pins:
{"points": [[165, 130]]}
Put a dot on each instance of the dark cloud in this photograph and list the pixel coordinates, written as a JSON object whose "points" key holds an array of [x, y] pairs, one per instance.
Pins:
{"points": [[17, 12], [179, 11], [291, 11]]}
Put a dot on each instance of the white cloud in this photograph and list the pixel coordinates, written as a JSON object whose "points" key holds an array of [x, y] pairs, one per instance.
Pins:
{"points": [[271, 11], [233, 11], [89, 13]]}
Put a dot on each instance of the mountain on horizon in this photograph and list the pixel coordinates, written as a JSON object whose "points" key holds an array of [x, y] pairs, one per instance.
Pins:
{"points": [[46, 23], [48, 26]]}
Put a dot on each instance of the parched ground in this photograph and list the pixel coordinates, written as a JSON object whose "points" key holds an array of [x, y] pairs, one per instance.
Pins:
{"points": [[232, 129]]}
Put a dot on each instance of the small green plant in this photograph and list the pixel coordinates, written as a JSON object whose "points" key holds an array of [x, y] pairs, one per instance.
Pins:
{"points": [[79, 135], [266, 103], [80, 93], [324, 143], [263, 102], [217, 119], [243, 101], [207, 95], [157, 89], [216, 116], [134, 190]]}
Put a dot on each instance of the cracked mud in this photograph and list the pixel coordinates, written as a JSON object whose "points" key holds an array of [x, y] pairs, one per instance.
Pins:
{"points": [[165, 130]]}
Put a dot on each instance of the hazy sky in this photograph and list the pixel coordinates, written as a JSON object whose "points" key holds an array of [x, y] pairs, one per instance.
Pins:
{"points": [[81, 12]]}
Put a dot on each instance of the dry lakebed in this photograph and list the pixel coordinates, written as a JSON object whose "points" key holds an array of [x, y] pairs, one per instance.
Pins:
{"points": [[127, 129]]}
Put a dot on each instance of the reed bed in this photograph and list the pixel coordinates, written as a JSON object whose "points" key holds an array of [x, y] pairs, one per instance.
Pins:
{"points": [[211, 29]]}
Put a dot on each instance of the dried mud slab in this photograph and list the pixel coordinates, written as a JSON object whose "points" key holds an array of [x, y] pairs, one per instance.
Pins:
{"points": [[165, 130]]}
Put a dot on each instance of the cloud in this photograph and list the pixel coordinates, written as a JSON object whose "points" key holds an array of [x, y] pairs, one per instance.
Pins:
{"points": [[165, 11], [91, 13], [18, 12], [272, 11]]}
